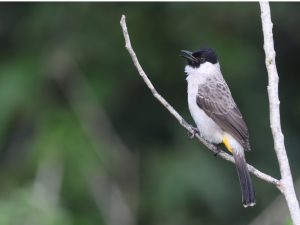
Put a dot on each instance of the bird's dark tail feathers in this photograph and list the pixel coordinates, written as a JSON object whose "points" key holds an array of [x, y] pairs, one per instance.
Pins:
{"points": [[248, 193]]}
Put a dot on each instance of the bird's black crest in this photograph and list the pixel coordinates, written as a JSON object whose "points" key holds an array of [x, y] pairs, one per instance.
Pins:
{"points": [[207, 53]]}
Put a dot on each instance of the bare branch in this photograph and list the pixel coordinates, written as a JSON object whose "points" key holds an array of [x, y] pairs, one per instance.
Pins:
{"points": [[179, 118], [287, 186]]}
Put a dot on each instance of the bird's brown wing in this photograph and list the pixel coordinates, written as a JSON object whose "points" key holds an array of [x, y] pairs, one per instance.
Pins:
{"points": [[215, 99]]}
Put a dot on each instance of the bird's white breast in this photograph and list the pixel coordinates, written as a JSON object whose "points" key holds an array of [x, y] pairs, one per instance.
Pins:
{"points": [[207, 127]]}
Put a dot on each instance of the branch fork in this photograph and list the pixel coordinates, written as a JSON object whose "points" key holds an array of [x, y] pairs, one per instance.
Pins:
{"points": [[285, 184], [179, 118]]}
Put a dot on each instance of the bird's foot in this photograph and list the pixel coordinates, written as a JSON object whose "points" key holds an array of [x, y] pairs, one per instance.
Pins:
{"points": [[192, 134], [218, 149]]}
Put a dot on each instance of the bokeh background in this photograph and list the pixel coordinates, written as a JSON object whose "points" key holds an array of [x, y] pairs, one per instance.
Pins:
{"points": [[83, 141]]}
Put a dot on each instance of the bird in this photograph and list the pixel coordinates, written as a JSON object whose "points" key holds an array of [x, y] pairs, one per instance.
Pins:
{"points": [[217, 117]]}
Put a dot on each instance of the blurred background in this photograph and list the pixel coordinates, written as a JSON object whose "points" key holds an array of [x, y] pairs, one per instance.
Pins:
{"points": [[83, 141]]}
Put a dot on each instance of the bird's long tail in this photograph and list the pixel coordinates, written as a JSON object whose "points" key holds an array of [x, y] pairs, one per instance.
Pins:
{"points": [[248, 193]]}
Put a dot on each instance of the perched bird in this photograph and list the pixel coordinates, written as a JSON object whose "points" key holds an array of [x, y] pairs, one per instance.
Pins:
{"points": [[215, 113]]}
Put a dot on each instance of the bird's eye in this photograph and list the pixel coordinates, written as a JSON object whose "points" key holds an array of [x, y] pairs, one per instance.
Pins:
{"points": [[202, 60]]}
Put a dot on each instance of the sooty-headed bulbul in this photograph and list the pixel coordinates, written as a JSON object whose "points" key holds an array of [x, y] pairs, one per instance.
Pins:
{"points": [[215, 113]]}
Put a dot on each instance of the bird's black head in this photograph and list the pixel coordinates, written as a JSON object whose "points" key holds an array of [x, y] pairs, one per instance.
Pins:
{"points": [[195, 59]]}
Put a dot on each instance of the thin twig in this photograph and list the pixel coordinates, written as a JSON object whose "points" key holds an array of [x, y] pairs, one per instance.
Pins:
{"points": [[287, 186], [179, 118]]}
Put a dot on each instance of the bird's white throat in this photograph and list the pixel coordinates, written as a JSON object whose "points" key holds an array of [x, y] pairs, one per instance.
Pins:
{"points": [[203, 72]]}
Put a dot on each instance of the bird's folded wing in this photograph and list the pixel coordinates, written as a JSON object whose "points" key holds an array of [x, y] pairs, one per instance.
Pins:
{"points": [[216, 101]]}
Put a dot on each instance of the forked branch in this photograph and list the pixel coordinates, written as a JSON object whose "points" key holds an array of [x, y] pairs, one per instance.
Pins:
{"points": [[287, 185]]}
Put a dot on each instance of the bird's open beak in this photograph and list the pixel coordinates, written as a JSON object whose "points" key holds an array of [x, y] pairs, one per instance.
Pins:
{"points": [[188, 55]]}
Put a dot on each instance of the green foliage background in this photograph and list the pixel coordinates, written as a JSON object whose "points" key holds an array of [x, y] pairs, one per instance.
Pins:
{"points": [[79, 129]]}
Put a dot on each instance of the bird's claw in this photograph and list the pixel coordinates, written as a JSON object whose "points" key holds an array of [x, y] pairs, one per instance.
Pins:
{"points": [[218, 150], [193, 133]]}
